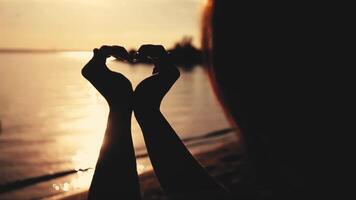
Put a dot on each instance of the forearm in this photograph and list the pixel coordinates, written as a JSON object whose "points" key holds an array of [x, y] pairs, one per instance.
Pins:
{"points": [[175, 167], [117, 140], [115, 172]]}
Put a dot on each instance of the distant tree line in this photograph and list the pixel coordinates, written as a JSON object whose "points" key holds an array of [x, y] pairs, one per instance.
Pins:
{"points": [[185, 54]]}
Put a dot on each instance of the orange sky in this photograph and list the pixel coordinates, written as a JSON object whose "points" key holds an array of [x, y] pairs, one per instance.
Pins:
{"points": [[85, 24]]}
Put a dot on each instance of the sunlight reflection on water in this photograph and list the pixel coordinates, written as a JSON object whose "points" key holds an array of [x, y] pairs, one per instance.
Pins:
{"points": [[82, 179], [77, 54]]}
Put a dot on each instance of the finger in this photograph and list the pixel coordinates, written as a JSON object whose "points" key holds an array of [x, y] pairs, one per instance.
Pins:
{"points": [[120, 53], [115, 51], [151, 51], [105, 51]]}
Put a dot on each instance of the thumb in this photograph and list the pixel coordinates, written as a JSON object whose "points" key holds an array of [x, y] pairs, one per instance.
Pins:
{"points": [[165, 65], [99, 57]]}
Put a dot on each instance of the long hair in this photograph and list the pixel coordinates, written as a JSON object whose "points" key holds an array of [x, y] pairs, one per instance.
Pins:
{"points": [[207, 43]]}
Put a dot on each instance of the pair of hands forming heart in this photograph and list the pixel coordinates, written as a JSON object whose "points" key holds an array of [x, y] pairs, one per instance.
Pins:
{"points": [[117, 89]]}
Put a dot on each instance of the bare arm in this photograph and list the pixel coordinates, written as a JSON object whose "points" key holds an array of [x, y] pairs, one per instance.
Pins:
{"points": [[115, 173], [175, 167]]}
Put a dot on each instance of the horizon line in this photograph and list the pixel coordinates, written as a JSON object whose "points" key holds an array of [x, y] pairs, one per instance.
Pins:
{"points": [[29, 50]]}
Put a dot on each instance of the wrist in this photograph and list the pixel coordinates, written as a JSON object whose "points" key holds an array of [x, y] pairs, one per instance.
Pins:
{"points": [[120, 112], [144, 113]]}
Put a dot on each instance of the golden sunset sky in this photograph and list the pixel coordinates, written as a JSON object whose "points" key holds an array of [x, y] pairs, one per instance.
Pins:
{"points": [[85, 24]]}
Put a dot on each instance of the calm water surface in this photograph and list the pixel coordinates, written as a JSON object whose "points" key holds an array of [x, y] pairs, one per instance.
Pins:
{"points": [[53, 120]]}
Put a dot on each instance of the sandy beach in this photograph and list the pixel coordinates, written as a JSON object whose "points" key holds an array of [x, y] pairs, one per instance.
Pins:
{"points": [[225, 163]]}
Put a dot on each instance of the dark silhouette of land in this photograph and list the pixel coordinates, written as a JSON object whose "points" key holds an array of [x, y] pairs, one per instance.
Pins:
{"points": [[185, 55]]}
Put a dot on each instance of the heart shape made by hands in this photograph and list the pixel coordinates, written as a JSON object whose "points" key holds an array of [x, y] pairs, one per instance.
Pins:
{"points": [[145, 54]]}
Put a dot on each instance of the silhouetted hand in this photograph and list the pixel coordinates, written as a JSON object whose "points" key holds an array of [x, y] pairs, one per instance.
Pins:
{"points": [[115, 87], [149, 93]]}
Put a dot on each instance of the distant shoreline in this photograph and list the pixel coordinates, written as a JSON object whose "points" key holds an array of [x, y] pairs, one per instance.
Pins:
{"points": [[4, 50]]}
